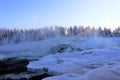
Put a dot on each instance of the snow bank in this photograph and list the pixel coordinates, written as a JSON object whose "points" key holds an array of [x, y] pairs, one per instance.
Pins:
{"points": [[78, 63], [96, 74], [103, 74], [65, 77]]}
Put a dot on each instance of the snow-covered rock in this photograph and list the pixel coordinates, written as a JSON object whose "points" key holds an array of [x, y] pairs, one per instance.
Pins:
{"points": [[103, 74], [79, 62], [65, 77], [95, 74]]}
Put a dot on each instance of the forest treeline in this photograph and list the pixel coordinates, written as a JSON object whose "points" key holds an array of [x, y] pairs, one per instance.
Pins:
{"points": [[22, 35]]}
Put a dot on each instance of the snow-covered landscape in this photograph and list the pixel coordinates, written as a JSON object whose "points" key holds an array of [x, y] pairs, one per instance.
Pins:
{"points": [[59, 39], [69, 58]]}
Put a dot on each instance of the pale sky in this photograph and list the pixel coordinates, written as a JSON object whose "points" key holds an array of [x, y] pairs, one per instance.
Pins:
{"points": [[41, 13]]}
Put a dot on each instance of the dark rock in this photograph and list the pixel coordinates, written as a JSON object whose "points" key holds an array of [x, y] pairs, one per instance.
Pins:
{"points": [[29, 75], [60, 48], [16, 69], [87, 53], [63, 48], [13, 65], [40, 77]]}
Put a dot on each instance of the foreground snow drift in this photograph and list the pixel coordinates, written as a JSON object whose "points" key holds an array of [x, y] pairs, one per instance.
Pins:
{"points": [[103, 74], [77, 63]]}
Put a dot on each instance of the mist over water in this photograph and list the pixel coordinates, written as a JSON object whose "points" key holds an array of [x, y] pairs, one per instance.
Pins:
{"points": [[40, 48]]}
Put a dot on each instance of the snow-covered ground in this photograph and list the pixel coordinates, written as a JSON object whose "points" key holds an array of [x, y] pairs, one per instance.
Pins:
{"points": [[75, 62]]}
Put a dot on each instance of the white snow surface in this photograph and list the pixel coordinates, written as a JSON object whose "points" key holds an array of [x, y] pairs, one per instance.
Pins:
{"points": [[70, 65], [97, 53]]}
